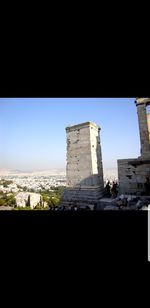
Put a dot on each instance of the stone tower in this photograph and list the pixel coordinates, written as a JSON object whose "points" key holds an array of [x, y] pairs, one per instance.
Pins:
{"points": [[84, 164]]}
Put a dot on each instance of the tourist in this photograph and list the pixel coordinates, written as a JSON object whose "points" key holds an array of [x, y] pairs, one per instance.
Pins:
{"points": [[108, 189], [114, 190], [147, 186]]}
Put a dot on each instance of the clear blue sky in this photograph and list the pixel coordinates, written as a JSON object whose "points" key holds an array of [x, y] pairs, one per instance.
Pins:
{"points": [[32, 130]]}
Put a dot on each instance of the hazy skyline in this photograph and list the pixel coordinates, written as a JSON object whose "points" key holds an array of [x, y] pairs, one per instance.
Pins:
{"points": [[33, 136]]}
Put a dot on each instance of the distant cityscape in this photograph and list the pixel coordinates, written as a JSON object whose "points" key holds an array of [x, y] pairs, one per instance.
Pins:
{"points": [[41, 180], [35, 182], [29, 190]]}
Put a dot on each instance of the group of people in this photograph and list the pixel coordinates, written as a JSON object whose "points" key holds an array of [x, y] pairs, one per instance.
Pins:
{"points": [[112, 189]]}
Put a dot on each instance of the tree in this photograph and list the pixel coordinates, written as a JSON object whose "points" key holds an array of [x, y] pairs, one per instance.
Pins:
{"points": [[54, 201], [7, 200], [28, 203], [41, 203], [11, 200]]}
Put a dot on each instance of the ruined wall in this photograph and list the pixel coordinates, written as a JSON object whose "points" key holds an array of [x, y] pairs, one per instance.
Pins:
{"points": [[132, 175]]}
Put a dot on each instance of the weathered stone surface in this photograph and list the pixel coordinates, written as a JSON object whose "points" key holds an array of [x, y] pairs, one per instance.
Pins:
{"points": [[84, 164], [111, 207], [143, 128], [143, 100], [134, 174], [105, 202], [148, 123]]}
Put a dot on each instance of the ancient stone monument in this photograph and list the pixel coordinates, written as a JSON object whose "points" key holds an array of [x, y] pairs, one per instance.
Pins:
{"points": [[84, 165], [134, 174], [143, 117]]}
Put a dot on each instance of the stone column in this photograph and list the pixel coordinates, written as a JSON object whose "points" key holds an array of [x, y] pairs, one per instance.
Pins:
{"points": [[141, 104], [148, 121]]}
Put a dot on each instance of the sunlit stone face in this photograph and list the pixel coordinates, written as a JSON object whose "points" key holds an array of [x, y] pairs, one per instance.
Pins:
{"points": [[148, 122], [141, 100]]}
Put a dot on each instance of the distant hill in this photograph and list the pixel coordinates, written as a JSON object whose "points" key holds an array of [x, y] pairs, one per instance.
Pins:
{"points": [[7, 172], [108, 172]]}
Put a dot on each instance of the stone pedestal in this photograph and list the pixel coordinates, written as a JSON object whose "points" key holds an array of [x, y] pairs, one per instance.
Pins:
{"points": [[84, 164]]}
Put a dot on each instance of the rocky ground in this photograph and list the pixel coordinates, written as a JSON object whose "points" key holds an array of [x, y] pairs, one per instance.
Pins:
{"points": [[124, 202]]}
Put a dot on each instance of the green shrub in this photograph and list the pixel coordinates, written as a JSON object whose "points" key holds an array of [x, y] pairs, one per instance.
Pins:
{"points": [[21, 208], [39, 207], [7, 200]]}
